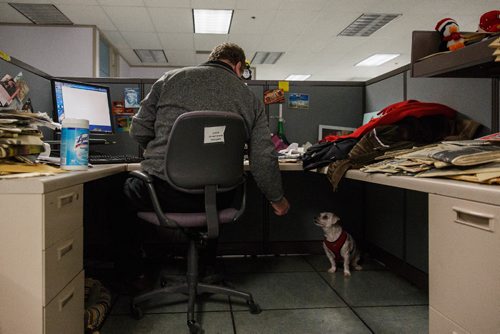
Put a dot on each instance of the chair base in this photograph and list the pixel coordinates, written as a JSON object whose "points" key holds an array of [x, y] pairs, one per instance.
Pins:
{"points": [[192, 288]]}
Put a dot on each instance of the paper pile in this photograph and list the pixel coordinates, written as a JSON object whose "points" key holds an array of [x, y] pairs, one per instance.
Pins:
{"points": [[496, 45], [469, 160]]}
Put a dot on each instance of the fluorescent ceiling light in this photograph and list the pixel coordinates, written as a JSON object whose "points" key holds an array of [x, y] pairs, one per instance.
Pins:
{"points": [[367, 24], [212, 21], [297, 77], [377, 59], [41, 13], [151, 56], [263, 57]]}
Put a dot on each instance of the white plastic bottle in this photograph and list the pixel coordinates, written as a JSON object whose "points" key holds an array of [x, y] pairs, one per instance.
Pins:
{"points": [[75, 144]]}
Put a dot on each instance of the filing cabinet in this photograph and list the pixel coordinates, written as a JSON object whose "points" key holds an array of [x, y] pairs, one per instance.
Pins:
{"points": [[464, 266], [41, 245]]}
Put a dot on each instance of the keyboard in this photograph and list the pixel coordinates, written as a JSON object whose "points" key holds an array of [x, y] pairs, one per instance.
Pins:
{"points": [[114, 159]]}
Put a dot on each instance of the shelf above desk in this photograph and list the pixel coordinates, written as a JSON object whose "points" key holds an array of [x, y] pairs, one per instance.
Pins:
{"points": [[474, 60]]}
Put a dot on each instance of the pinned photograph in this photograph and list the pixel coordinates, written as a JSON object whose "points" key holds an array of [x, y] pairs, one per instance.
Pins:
{"points": [[8, 90], [298, 101], [132, 97]]}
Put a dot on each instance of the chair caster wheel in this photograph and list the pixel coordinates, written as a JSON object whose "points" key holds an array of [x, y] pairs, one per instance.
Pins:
{"points": [[136, 312], [195, 328], [254, 307]]}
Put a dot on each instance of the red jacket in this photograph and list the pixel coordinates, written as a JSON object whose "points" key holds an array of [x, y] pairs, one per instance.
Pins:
{"points": [[396, 112]]}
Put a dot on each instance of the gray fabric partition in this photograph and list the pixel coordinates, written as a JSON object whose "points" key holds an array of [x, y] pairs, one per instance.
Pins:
{"points": [[469, 96], [329, 104], [383, 93]]}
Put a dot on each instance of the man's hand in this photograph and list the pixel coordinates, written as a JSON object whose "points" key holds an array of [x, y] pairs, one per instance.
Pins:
{"points": [[281, 207]]}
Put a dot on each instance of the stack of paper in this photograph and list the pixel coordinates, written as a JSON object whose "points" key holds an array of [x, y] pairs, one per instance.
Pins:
{"points": [[496, 45], [467, 160]]}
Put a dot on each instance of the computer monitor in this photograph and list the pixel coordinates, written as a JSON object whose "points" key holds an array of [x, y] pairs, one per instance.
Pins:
{"points": [[85, 101]]}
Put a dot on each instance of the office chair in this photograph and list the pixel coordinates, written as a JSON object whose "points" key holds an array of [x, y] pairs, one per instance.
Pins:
{"points": [[204, 155]]}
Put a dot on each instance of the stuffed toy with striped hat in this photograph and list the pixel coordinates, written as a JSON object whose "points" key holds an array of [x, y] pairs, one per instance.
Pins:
{"points": [[451, 39]]}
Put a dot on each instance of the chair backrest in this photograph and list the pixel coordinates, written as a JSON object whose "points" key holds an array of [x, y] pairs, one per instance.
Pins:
{"points": [[206, 148]]}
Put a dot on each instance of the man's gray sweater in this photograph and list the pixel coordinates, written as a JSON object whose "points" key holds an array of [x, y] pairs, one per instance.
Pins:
{"points": [[210, 86]]}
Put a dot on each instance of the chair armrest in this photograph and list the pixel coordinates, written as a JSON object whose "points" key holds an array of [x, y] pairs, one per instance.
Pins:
{"points": [[142, 175], [148, 180]]}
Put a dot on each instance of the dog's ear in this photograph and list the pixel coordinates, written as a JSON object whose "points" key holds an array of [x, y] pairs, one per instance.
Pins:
{"points": [[335, 219]]}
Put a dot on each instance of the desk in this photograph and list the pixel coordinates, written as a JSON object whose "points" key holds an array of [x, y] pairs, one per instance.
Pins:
{"points": [[464, 244], [41, 250], [41, 255]]}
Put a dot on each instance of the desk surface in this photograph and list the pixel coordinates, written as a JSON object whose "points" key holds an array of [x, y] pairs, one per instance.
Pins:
{"points": [[45, 184], [452, 188]]}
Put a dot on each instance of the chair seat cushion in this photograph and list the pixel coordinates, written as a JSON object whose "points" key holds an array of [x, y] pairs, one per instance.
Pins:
{"points": [[187, 219]]}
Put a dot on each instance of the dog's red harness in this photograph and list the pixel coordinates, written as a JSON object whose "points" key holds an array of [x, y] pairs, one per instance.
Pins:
{"points": [[336, 245]]}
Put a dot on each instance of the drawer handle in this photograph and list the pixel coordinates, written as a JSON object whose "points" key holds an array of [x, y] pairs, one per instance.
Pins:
{"points": [[66, 199], [65, 300], [63, 250], [480, 220]]}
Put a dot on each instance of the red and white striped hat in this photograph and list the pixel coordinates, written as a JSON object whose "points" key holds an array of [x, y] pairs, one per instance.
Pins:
{"points": [[442, 24]]}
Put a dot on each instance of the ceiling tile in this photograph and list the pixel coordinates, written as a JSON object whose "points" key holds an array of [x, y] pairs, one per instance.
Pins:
{"points": [[181, 58], [136, 3], [213, 4], [73, 2], [168, 3], [263, 5], [89, 15], [292, 22], [10, 15], [129, 55], [130, 18], [279, 42], [172, 19], [177, 41], [243, 23], [116, 39], [208, 41], [246, 41], [304, 5], [141, 40]]}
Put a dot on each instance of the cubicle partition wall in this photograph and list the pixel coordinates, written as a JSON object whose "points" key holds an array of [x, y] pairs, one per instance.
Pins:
{"points": [[39, 85]]}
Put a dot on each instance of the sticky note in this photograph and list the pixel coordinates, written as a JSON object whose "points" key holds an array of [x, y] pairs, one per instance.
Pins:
{"points": [[283, 85]]}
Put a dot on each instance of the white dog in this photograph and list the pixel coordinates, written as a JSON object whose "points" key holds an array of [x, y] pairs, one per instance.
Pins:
{"points": [[338, 244]]}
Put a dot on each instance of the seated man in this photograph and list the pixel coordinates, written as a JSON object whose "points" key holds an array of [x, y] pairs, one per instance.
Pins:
{"points": [[214, 85]]}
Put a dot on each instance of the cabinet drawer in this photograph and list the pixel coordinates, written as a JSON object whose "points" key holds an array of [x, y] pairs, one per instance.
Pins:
{"points": [[62, 262], [464, 266], [439, 324], [65, 314], [63, 213]]}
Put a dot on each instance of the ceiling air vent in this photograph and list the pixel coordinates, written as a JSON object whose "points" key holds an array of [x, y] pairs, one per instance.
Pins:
{"points": [[262, 57], [367, 24], [41, 13], [151, 56]]}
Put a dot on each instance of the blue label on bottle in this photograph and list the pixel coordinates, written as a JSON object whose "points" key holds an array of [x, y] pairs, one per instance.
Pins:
{"points": [[74, 147]]}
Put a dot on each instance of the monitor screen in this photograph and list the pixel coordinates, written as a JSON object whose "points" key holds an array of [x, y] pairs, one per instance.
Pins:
{"points": [[85, 101]]}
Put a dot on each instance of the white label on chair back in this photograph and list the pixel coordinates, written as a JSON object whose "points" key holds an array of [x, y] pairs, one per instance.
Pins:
{"points": [[214, 134]]}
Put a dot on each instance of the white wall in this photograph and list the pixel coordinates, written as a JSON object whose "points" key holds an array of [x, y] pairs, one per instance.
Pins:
{"points": [[58, 51]]}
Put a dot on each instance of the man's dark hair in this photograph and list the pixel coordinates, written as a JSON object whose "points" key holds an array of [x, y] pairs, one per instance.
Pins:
{"points": [[228, 51]]}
